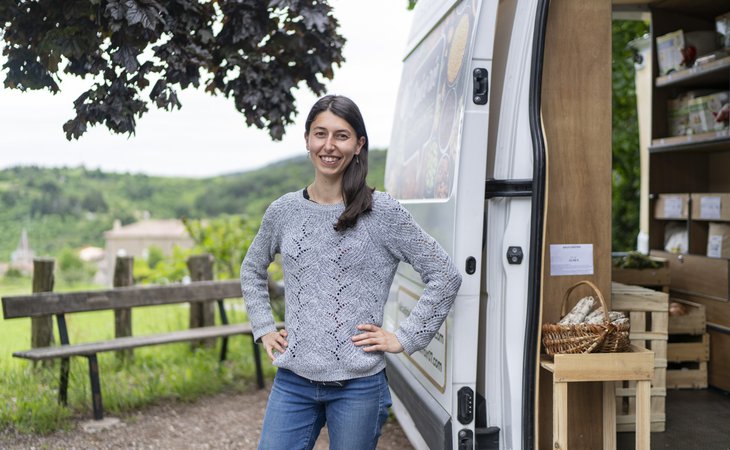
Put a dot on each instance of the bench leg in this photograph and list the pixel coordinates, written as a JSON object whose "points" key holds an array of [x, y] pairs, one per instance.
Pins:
{"points": [[257, 360], [224, 349], [95, 388], [63, 385]]}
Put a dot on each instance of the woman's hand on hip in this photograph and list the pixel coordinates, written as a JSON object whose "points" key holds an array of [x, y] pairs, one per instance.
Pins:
{"points": [[376, 339], [275, 341]]}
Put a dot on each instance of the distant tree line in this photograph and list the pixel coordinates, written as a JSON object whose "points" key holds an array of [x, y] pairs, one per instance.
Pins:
{"points": [[72, 207]]}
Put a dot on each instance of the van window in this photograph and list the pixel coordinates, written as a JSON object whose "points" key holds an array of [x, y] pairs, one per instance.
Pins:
{"points": [[424, 146]]}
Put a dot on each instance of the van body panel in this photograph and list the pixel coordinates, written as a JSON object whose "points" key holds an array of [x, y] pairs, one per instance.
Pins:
{"points": [[437, 168]]}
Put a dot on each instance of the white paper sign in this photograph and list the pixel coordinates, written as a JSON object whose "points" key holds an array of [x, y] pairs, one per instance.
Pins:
{"points": [[673, 207], [571, 259], [710, 207], [714, 246]]}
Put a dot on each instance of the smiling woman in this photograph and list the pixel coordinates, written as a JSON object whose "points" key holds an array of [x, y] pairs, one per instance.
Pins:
{"points": [[335, 135], [340, 244]]}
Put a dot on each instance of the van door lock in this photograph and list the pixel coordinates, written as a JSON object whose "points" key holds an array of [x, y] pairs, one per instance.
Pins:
{"points": [[481, 86], [514, 255]]}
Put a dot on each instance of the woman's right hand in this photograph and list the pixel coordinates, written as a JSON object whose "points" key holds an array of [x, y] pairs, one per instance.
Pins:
{"points": [[276, 340]]}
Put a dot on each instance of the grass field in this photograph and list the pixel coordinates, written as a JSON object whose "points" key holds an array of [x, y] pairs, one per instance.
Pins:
{"points": [[29, 393]]}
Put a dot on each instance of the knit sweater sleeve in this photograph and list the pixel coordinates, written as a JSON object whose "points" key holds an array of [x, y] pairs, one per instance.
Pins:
{"points": [[254, 272], [408, 242]]}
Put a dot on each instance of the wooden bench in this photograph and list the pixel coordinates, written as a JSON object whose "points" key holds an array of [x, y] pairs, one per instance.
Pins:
{"points": [[60, 304]]}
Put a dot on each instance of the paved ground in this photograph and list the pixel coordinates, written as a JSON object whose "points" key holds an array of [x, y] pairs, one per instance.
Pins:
{"points": [[695, 420], [224, 421]]}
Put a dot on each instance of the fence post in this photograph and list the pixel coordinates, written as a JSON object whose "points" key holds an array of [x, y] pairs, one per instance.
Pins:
{"points": [[41, 328], [123, 276], [202, 314]]}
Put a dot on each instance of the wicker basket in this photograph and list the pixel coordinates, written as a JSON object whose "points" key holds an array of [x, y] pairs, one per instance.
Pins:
{"points": [[585, 338]]}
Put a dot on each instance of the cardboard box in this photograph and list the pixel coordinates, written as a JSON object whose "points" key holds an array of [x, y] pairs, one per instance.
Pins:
{"points": [[718, 240], [671, 206], [678, 115], [669, 52], [711, 206], [678, 112], [702, 112], [722, 25]]}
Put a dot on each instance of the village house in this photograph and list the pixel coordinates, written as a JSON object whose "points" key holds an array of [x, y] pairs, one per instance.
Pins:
{"points": [[136, 239]]}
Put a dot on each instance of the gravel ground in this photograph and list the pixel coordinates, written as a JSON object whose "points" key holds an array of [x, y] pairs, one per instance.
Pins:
{"points": [[224, 421]]}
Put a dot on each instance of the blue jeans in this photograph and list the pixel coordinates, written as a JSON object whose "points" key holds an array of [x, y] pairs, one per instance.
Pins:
{"points": [[298, 409]]}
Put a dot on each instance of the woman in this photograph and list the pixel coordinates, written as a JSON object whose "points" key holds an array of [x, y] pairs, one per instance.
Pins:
{"points": [[340, 243]]}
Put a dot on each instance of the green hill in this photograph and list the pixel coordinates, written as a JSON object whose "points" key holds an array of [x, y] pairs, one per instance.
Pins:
{"points": [[72, 207]]}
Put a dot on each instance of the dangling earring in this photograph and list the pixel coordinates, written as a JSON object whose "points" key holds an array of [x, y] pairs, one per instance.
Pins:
{"points": [[357, 159]]}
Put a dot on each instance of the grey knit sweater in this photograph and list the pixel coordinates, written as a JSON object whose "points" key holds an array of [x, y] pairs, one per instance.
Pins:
{"points": [[335, 281]]}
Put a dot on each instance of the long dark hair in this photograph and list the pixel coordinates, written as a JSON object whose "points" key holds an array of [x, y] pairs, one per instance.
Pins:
{"points": [[358, 196]]}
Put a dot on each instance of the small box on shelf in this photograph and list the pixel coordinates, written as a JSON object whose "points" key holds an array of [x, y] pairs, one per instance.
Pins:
{"points": [[704, 110], [718, 240], [669, 51], [722, 25], [671, 206], [711, 206]]}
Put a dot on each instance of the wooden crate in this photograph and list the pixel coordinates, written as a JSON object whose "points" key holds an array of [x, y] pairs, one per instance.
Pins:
{"points": [[693, 322], [656, 278], [648, 312], [719, 366], [687, 375], [688, 348]]}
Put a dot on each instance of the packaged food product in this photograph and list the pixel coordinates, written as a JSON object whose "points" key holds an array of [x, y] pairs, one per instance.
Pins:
{"points": [[669, 51], [718, 240], [722, 25]]}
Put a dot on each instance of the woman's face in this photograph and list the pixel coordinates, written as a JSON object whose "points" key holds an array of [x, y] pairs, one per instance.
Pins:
{"points": [[332, 144]]}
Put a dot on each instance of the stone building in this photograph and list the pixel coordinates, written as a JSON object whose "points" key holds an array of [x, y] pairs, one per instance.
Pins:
{"points": [[136, 239]]}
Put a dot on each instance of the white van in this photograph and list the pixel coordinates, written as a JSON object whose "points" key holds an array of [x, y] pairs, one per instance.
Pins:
{"points": [[468, 159]]}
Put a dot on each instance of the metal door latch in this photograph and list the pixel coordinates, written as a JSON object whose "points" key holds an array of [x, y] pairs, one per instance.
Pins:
{"points": [[514, 255]]}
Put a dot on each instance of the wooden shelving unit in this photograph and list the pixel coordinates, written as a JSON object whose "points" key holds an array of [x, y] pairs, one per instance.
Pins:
{"points": [[693, 164], [712, 73], [712, 141]]}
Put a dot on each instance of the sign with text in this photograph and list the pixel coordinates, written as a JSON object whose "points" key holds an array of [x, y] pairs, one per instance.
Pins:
{"points": [[673, 207], [571, 259], [710, 207]]}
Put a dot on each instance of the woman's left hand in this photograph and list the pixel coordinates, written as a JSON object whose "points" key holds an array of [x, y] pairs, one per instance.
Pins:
{"points": [[376, 339]]}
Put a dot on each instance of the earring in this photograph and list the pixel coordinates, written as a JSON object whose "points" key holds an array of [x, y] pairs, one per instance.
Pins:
{"points": [[357, 159]]}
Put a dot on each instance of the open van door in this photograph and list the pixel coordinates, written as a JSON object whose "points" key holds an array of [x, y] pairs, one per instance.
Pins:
{"points": [[466, 159]]}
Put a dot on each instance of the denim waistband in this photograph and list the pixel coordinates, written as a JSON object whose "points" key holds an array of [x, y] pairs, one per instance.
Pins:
{"points": [[335, 383]]}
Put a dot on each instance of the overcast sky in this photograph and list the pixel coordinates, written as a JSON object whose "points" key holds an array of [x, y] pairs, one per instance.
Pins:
{"points": [[208, 136]]}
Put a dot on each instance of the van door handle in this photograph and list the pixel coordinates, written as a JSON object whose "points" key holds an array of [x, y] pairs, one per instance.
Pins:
{"points": [[481, 86]]}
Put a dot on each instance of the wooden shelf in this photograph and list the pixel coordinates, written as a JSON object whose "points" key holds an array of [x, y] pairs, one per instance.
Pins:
{"points": [[712, 141], [715, 72]]}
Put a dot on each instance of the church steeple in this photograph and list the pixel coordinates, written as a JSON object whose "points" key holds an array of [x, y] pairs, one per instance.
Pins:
{"points": [[22, 257]]}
